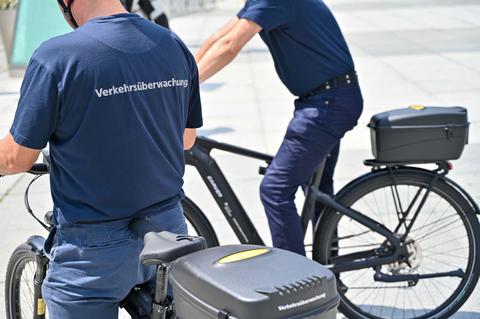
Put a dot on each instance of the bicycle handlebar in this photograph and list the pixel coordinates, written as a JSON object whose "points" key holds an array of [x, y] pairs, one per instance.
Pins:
{"points": [[39, 169]]}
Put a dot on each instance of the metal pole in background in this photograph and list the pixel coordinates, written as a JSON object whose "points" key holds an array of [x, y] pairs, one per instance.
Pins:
{"points": [[8, 14]]}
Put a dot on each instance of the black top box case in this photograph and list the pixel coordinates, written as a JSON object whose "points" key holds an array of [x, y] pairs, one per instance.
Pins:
{"points": [[419, 134]]}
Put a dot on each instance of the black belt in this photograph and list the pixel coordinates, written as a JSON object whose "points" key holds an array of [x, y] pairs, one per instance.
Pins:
{"points": [[341, 80]]}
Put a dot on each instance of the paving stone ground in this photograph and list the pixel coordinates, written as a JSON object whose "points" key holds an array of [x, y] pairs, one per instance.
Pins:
{"points": [[406, 51]]}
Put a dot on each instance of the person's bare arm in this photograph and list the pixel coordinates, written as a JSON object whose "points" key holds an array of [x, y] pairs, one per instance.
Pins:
{"points": [[215, 37], [225, 49], [189, 137], [15, 158]]}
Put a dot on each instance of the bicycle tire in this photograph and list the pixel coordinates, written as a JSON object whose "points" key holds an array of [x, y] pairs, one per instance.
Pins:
{"points": [[22, 255], [360, 188], [199, 221]]}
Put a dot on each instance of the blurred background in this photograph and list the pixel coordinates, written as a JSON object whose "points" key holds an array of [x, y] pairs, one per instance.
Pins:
{"points": [[406, 52]]}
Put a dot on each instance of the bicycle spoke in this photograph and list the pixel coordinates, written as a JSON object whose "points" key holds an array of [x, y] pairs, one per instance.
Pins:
{"points": [[443, 242], [366, 296], [445, 254], [443, 262], [434, 229], [369, 241], [352, 236], [364, 240], [420, 301], [383, 300], [395, 304], [411, 304], [376, 212], [26, 282], [371, 304], [425, 236], [434, 209], [435, 222], [450, 250]]}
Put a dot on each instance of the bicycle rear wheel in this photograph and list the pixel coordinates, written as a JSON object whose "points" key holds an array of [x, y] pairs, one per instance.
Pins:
{"points": [[19, 296], [443, 239]]}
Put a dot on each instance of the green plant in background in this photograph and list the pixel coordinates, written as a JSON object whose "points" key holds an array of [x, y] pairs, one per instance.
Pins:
{"points": [[8, 4]]}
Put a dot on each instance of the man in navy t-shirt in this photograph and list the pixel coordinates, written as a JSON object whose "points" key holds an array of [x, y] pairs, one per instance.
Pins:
{"points": [[118, 101], [313, 61]]}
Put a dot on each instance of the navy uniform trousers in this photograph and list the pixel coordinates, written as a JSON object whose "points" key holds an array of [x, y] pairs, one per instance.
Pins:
{"points": [[94, 266], [319, 123]]}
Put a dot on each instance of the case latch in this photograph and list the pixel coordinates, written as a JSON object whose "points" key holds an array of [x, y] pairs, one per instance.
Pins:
{"points": [[449, 133]]}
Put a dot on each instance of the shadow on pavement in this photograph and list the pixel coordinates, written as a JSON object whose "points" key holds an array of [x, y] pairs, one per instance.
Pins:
{"points": [[401, 313]]}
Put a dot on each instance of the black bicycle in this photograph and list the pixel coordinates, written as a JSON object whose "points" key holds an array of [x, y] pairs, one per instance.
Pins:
{"points": [[402, 240], [192, 268], [28, 265]]}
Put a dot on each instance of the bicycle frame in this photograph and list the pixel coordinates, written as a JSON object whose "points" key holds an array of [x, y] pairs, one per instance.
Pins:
{"points": [[139, 302], [212, 175], [238, 219], [199, 157]]}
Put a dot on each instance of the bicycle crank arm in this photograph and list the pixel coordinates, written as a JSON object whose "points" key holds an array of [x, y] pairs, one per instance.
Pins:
{"points": [[382, 277]]}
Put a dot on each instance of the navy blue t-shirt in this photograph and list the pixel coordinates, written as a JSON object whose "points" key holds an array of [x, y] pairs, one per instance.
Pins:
{"points": [[304, 38], [112, 99]]}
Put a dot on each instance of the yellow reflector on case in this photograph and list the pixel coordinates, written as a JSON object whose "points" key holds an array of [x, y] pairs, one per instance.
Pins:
{"points": [[243, 255], [417, 107], [41, 307]]}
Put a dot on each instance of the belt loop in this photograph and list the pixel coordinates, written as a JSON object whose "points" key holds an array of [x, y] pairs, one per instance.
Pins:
{"points": [[335, 82]]}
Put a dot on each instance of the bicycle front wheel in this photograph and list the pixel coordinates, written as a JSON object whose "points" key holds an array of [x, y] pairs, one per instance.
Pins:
{"points": [[442, 243], [19, 285]]}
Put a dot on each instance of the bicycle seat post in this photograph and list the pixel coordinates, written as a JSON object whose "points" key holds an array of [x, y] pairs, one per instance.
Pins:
{"points": [[160, 304]]}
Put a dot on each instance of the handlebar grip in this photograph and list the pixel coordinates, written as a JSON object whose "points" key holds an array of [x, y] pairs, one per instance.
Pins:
{"points": [[39, 169]]}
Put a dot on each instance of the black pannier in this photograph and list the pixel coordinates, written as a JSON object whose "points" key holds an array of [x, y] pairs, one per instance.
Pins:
{"points": [[419, 134], [252, 282]]}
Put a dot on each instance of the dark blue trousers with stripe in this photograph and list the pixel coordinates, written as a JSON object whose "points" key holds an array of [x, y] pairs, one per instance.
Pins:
{"points": [[319, 123]]}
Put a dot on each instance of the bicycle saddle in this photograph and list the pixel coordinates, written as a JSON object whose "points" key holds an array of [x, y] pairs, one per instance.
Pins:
{"points": [[163, 247], [166, 247]]}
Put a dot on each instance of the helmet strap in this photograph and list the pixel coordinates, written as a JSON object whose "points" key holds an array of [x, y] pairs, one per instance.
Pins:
{"points": [[67, 11]]}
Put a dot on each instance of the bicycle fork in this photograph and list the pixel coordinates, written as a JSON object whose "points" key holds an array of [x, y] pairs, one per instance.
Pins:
{"points": [[40, 273]]}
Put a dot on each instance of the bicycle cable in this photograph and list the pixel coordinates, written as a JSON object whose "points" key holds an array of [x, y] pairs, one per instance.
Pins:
{"points": [[27, 203]]}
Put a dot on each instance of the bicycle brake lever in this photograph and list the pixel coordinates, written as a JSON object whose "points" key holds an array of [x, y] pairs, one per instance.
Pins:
{"points": [[262, 170]]}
